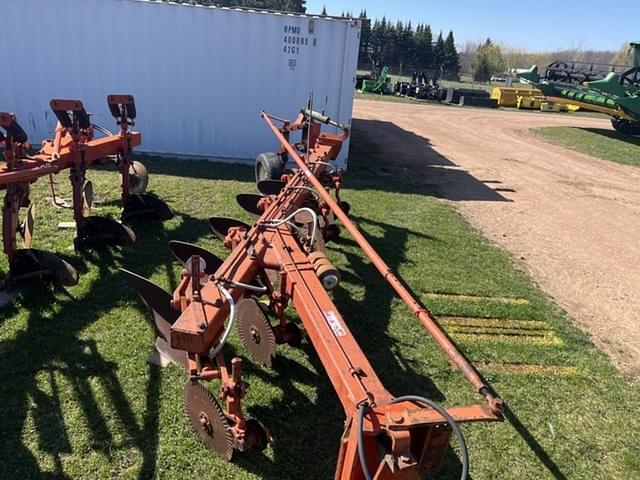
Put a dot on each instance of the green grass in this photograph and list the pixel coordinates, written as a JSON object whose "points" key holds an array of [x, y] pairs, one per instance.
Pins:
{"points": [[387, 98], [602, 143], [78, 399]]}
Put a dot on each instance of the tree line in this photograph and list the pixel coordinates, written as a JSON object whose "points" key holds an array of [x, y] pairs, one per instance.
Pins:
{"points": [[296, 6], [484, 59], [401, 45]]}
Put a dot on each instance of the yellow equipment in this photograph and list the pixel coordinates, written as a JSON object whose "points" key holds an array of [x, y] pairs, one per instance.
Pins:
{"points": [[529, 102], [508, 96]]}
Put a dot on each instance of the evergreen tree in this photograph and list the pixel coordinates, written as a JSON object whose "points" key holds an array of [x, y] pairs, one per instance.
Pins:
{"points": [[424, 47], [365, 38], [406, 45], [378, 39], [324, 12], [451, 61], [439, 56], [488, 61], [297, 6]]}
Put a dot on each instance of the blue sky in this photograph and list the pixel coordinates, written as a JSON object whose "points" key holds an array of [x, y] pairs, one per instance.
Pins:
{"points": [[534, 25]]}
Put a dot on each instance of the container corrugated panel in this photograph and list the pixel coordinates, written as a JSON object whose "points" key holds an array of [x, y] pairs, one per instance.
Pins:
{"points": [[200, 75]]}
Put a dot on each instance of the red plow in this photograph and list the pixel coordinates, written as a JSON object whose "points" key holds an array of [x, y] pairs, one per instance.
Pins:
{"points": [[280, 261], [76, 147]]}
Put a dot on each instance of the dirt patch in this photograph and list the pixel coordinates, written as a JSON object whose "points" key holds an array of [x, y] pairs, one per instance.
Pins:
{"points": [[573, 220]]}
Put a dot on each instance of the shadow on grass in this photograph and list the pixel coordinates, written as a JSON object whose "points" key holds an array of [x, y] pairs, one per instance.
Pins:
{"points": [[198, 168], [384, 352], [51, 344], [534, 445], [394, 369], [614, 135], [389, 158], [303, 427], [219, 169]]}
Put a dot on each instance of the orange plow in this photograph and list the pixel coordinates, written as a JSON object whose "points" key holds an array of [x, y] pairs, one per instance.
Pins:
{"points": [[280, 261], [78, 145]]}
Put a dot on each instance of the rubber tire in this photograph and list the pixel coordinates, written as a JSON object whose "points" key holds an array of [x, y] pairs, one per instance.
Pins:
{"points": [[269, 166], [625, 127]]}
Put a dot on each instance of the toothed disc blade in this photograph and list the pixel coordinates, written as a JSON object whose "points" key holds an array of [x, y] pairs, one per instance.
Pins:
{"points": [[183, 251], [221, 225], [29, 222], [255, 331], [101, 230], [207, 419], [270, 187], [249, 202]]}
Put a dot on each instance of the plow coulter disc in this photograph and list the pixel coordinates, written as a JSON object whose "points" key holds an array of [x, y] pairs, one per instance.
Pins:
{"points": [[183, 251], [146, 205], [96, 231], [207, 419], [249, 203], [159, 304], [255, 331], [270, 187], [138, 178], [221, 225]]}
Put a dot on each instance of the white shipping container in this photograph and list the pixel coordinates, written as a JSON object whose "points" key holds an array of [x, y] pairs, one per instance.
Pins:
{"points": [[200, 75]]}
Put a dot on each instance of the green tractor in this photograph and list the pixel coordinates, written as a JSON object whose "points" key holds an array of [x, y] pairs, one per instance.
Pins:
{"points": [[598, 88], [380, 85]]}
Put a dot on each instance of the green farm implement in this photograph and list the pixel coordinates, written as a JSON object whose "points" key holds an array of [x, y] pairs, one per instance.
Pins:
{"points": [[608, 89], [380, 85]]}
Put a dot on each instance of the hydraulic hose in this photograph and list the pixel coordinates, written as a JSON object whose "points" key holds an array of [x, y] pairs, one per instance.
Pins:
{"points": [[277, 223], [232, 320], [430, 403]]}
